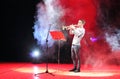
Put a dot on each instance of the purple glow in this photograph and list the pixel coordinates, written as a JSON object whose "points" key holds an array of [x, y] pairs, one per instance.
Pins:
{"points": [[93, 39]]}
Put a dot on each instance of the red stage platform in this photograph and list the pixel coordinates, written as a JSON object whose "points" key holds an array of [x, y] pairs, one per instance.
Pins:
{"points": [[57, 71]]}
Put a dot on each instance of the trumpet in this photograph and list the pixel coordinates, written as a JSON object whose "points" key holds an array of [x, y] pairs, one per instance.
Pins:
{"points": [[68, 27]]}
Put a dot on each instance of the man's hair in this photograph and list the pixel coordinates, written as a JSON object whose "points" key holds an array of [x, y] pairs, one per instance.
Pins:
{"points": [[83, 21]]}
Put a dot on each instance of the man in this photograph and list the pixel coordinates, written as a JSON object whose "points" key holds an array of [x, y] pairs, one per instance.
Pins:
{"points": [[78, 31]]}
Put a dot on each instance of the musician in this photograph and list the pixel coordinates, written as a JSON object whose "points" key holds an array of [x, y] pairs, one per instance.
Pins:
{"points": [[78, 31]]}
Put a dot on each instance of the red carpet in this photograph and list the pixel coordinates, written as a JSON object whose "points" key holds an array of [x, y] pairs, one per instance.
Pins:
{"points": [[56, 71]]}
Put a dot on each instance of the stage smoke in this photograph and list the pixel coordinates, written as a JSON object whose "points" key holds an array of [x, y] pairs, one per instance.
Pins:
{"points": [[101, 16], [47, 18], [108, 23], [113, 39]]}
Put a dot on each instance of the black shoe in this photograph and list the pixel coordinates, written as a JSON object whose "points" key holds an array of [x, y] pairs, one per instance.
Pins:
{"points": [[77, 70], [72, 69]]}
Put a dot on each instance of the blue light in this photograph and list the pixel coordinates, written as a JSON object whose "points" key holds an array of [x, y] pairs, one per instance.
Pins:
{"points": [[35, 53]]}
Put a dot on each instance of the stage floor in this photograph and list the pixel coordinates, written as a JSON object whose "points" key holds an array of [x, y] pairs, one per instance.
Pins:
{"points": [[56, 71]]}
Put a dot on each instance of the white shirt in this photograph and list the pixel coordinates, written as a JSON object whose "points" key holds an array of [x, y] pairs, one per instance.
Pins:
{"points": [[78, 35]]}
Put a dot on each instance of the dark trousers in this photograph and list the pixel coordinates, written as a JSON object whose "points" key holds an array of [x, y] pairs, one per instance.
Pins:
{"points": [[75, 55]]}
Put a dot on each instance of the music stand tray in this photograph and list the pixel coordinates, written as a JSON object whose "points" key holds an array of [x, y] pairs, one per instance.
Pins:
{"points": [[58, 35]]}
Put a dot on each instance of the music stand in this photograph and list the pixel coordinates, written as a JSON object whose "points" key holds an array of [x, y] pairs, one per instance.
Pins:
{"points": [[58, 35]]}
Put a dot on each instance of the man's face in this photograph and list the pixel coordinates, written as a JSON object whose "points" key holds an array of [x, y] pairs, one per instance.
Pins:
{"points": [[80, 23]]}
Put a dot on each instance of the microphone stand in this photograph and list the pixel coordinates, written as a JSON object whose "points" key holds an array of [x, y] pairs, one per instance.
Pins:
{"points": [[47, 52], [47, 49]]}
